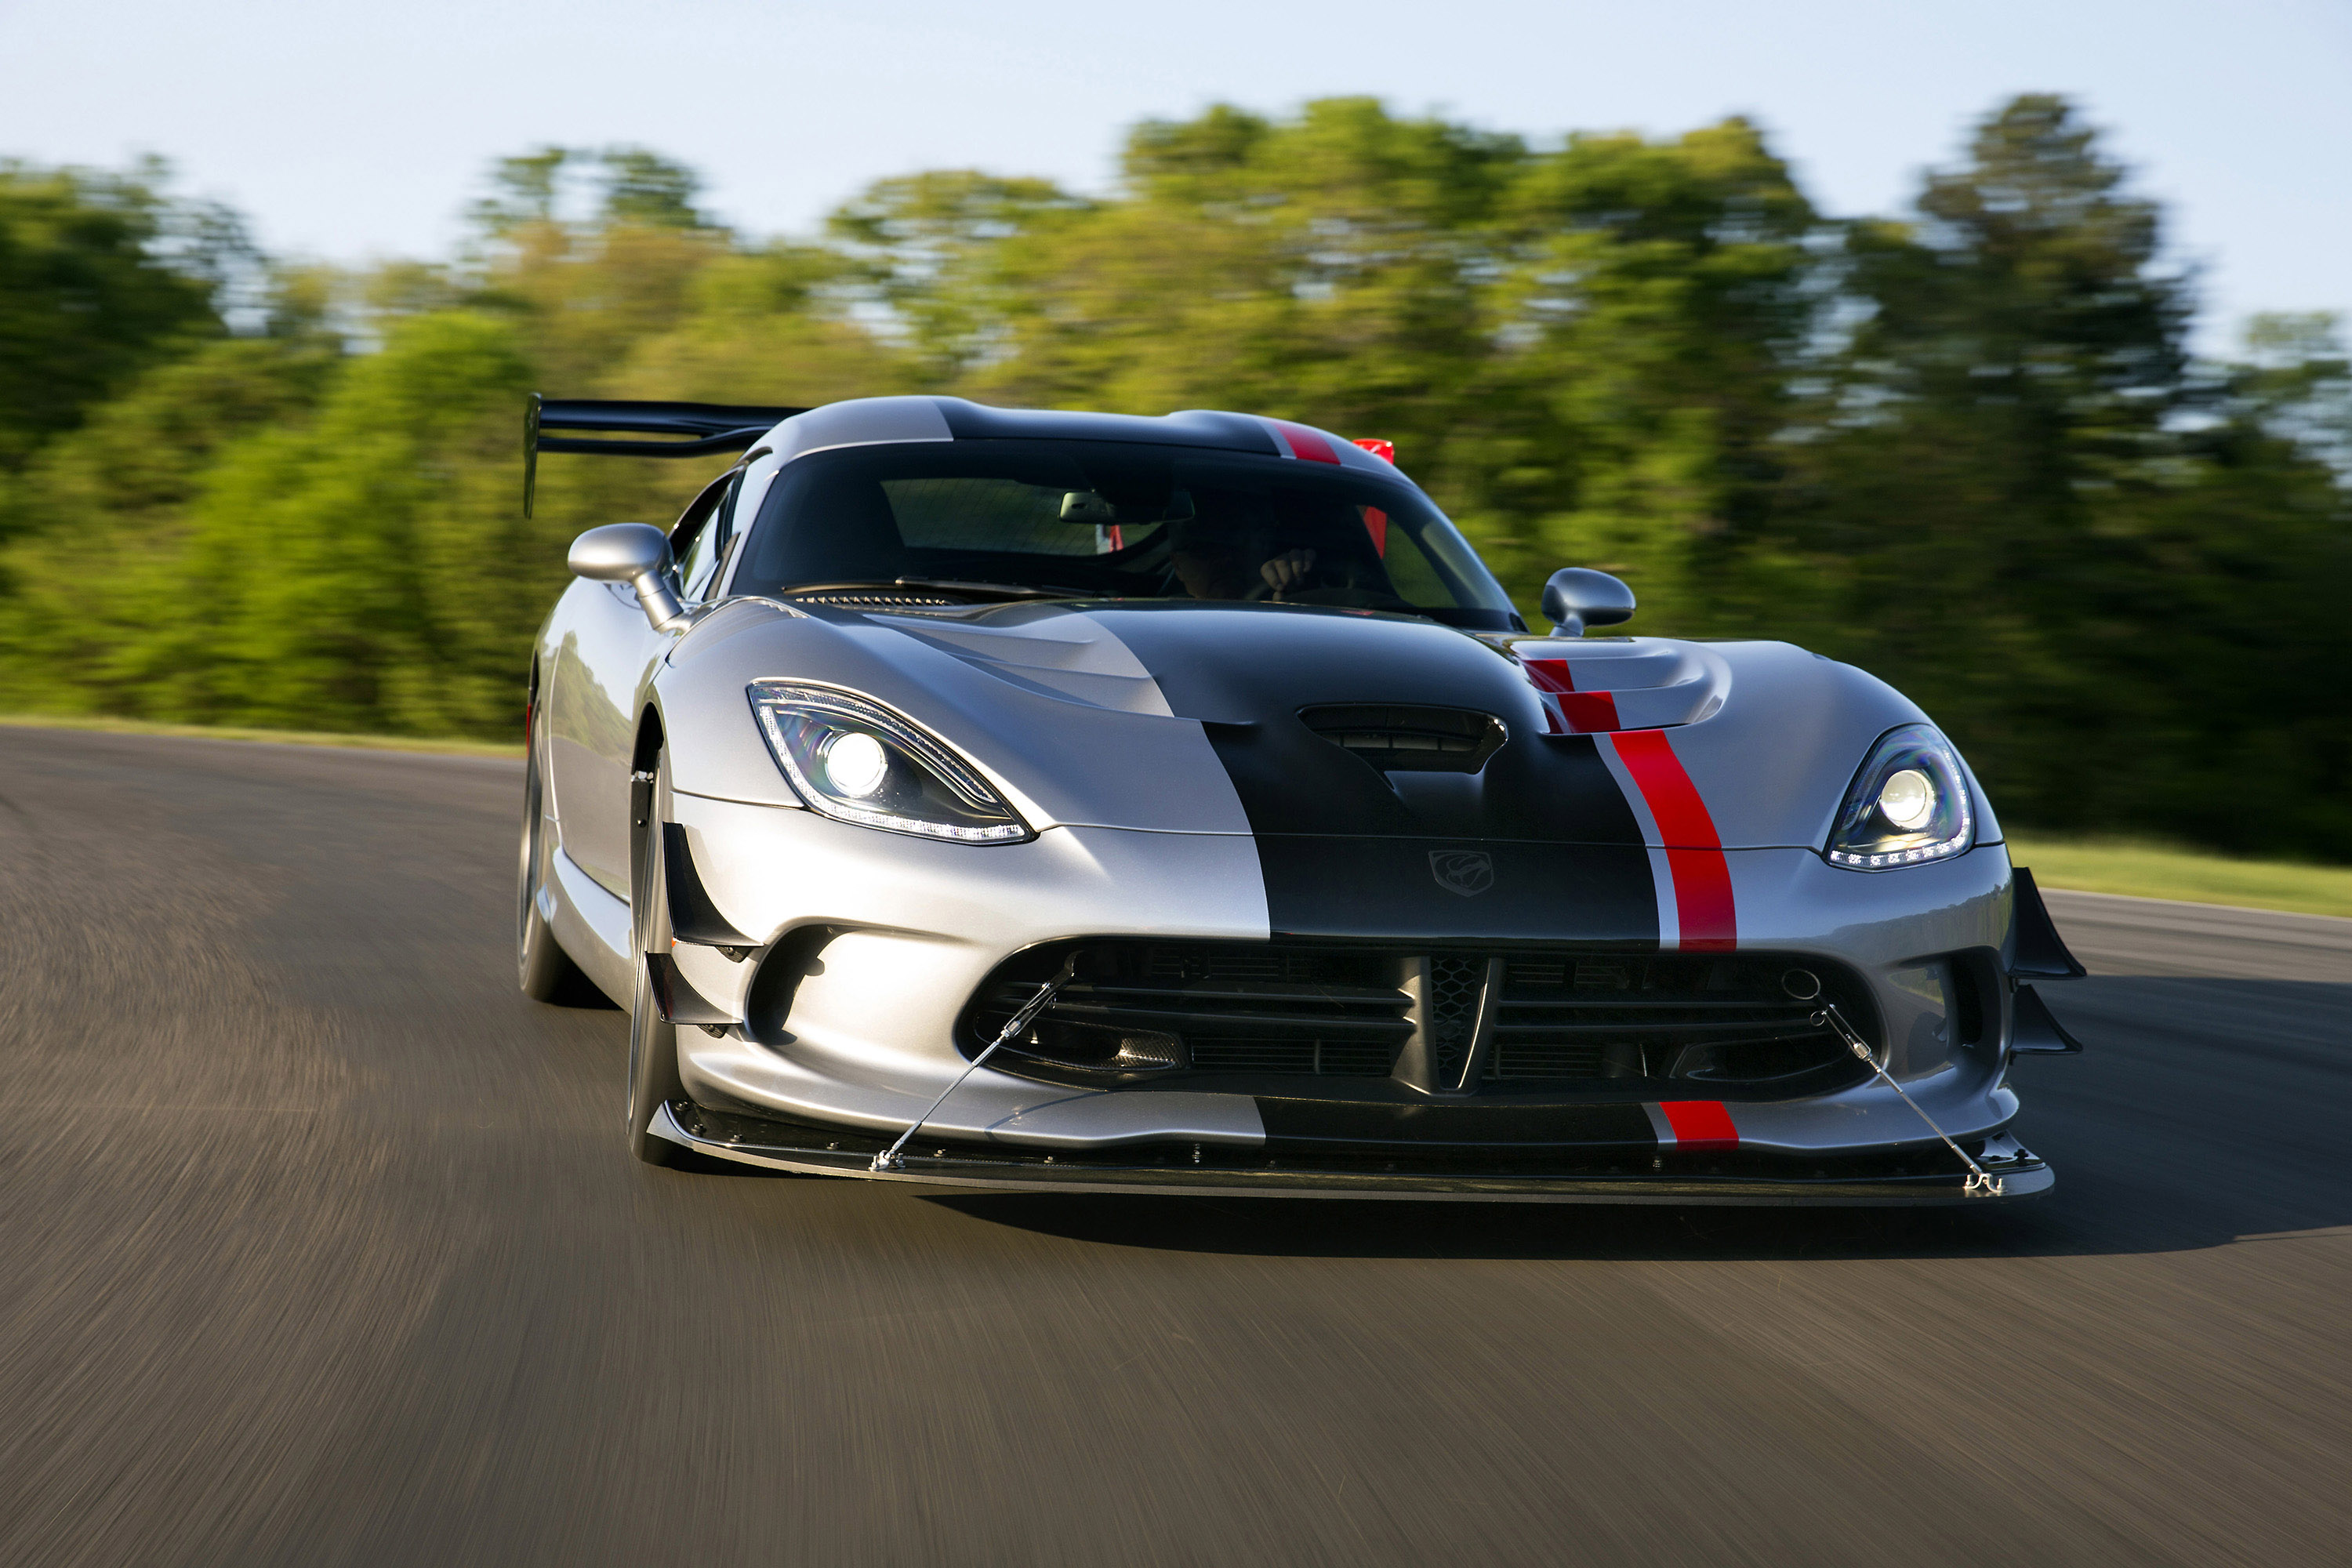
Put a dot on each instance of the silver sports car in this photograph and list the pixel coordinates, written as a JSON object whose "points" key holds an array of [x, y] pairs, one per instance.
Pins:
{"points": [[1017, 798]]}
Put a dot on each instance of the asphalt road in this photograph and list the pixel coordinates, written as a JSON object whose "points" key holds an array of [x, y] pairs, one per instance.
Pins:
{"points": [[318, 1247]]}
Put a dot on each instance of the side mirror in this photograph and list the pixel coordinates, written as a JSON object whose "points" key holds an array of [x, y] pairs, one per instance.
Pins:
{"points": [[1577, 597], [636, 553]]}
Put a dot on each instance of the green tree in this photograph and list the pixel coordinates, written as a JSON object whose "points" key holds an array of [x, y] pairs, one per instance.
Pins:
{"points": [[97, 565], [1967, 450], [365, 569], [269, 530], [645, 189], [1321, 268], [100, 277], [1658, 301], [927, 246], [1585, 352], [2034, 512]]}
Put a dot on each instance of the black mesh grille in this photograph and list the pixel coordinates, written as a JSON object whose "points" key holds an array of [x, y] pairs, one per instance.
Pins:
{"points": [[1545, 1059], [1335, 1058], [1686, 1019], [1291, 965], [1455, 982], [1258, 1008], [1725, 1020]]}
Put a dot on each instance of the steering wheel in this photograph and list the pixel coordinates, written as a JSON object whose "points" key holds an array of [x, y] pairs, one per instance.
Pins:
{"points": [[1263, 588]]}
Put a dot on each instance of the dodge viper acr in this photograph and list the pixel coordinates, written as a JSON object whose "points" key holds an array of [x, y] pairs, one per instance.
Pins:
{"points": [[1081, 801]]}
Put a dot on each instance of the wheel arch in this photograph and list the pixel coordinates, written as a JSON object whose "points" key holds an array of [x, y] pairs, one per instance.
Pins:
{"points": [[645, 758]]}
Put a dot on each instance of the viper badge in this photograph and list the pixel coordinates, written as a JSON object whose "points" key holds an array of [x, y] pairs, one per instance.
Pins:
{"points": [[1468, 873]]}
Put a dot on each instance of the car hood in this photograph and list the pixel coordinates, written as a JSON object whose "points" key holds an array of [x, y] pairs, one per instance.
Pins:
{"points": [[1184, 717]]}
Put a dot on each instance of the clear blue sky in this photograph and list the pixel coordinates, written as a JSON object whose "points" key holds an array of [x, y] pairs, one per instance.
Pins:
{"points": [[346, 131]]}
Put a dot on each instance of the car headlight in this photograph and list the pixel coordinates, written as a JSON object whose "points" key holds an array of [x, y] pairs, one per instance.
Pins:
{"points": [[856, 761], [1908, 804]]}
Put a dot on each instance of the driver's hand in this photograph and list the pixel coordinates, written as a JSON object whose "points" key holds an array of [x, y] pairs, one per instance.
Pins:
{"points": [[1288, 570]]}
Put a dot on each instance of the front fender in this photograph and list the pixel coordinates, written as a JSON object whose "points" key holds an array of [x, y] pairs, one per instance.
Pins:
{"points": [[1774, 762]]}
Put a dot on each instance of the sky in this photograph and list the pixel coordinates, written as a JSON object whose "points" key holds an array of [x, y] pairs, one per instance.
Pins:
{"points": [[347, 131]]}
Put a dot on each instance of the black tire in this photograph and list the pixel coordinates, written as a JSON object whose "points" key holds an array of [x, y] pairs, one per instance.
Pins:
{"points": [[542, 968], [653, 1044]]}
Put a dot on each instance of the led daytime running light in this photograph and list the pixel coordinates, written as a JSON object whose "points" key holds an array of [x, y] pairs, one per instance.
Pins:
{"points": [[1937, 821], [925, 789]]}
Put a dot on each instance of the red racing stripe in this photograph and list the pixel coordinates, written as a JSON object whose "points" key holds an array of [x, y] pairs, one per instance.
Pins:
{"points": [[1589, 711], [1703, 903], [1700, 1123], [1549, 674], [1586, 712], [1305, 443], [1550, 677]]}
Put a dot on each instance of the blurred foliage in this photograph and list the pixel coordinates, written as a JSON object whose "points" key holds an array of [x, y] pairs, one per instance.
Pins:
{"points": [[1967, 449], [100, 276]]}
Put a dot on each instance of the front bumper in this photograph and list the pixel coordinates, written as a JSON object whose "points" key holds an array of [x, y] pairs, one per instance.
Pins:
{"points": [[1913, 1174], [910, 930]]}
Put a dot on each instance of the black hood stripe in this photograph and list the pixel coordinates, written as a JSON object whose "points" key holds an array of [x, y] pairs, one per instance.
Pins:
{"points": [[1458, 889], [1539, 845]]}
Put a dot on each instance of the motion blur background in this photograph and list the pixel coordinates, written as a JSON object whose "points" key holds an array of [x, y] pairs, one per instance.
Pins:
{"points": [[1997, 354]]}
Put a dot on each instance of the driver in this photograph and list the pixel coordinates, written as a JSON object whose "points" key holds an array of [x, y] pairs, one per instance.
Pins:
{"points": [[1219, 573], [1214, 562]]}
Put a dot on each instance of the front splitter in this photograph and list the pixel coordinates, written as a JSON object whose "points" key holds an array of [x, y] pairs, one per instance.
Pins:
{"points": [[830, 1152]]}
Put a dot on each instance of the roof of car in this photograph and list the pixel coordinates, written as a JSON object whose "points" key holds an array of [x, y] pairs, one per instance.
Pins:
{"points": [[876, 420], [701, 430]]}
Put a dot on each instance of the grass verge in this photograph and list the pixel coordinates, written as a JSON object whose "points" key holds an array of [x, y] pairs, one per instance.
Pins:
{"points": [[284, 737], [2157, 870]]}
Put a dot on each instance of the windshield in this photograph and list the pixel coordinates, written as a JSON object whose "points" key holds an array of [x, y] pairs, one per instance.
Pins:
{"points": [[1107, 520]]}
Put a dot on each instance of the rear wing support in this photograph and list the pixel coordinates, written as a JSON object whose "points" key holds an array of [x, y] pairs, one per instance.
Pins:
{"points": [[687, 430]]}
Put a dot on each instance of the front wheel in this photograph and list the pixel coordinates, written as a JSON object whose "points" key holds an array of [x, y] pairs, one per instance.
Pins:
{"points": [[653, 1044]]}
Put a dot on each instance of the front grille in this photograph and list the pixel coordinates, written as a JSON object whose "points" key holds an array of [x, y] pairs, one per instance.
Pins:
{"points": [[1681, 1021], [1332, 1058], [1455, 982], [1676, 1016], [1258, 1009]]}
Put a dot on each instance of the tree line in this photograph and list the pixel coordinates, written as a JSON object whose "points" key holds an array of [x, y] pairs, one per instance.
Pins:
{"points": [[1966, 448]]}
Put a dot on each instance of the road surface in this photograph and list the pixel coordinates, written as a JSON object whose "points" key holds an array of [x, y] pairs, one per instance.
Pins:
{"points": [[318, 1247]]}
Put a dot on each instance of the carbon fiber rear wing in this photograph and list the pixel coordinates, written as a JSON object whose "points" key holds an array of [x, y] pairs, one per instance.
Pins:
{"points": [[687, 430]]}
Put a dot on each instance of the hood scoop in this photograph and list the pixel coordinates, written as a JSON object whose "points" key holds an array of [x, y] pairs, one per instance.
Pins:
{"points": [[1630, 685], [1409, 740]]}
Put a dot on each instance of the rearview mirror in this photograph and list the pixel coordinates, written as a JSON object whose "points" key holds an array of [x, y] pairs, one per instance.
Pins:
{"points": [[1577, 597], [636, 553]]}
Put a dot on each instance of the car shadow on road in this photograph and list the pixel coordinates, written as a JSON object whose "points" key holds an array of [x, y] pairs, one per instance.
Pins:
{"points": [[2203, 1112]]}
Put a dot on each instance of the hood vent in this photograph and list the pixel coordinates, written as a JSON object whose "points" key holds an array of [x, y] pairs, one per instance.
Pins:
{"points": [[879, 599], [1409, 740]]}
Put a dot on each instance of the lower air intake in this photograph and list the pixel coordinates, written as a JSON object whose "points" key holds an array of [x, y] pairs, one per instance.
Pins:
{"points": [[1671, 1017], [1686, 1023], [1255, 1009]]}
